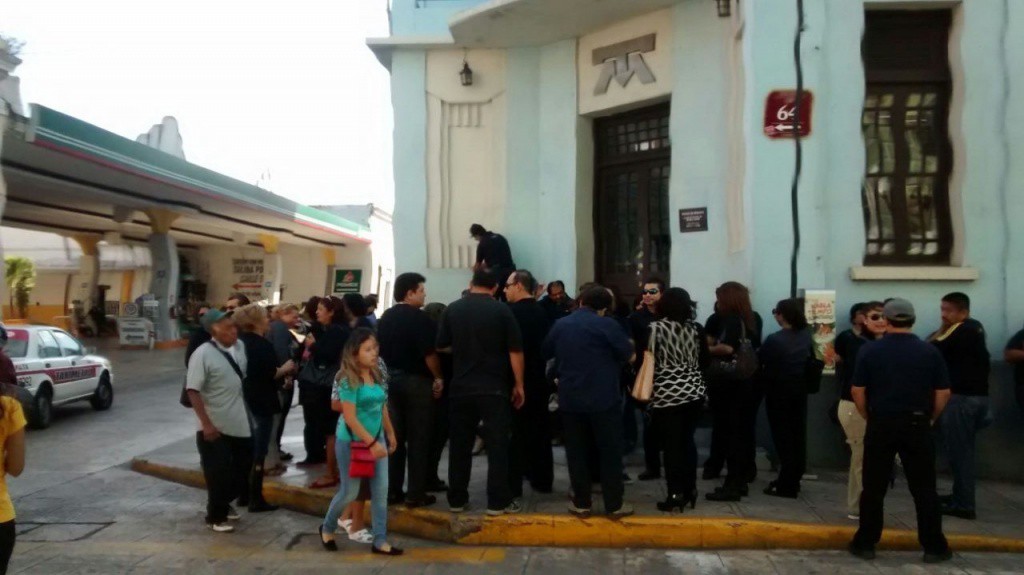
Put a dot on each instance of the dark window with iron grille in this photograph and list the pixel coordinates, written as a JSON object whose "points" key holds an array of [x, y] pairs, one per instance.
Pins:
{"points": [[906, 183], [631, 210]]}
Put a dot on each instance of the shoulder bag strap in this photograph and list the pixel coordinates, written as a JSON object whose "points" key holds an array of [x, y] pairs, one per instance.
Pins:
{"points": [[231, 360], [350, 432]]}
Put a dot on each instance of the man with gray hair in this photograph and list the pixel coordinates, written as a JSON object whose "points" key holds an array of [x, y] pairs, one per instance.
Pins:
{"points": [[900, 386]]}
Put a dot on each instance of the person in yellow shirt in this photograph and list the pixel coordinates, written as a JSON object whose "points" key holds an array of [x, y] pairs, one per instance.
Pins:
{"points": [[12, 462]]}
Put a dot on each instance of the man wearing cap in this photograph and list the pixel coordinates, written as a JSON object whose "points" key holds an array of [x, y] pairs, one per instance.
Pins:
{"points": [[900, 385], [214, 384]]}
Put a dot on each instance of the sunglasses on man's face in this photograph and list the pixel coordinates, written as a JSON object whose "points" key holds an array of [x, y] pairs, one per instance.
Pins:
{"points": [[875, 316], [653, 291]]}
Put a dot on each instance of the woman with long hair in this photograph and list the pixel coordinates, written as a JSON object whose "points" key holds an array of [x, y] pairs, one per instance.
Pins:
{"points": [[359, 395], [680, 356], [783, 358], [871, 326], [734, 402], [325, 345]]}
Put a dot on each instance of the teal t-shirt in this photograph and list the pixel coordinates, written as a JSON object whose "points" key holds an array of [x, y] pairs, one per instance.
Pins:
{"points": [[369, 400]]}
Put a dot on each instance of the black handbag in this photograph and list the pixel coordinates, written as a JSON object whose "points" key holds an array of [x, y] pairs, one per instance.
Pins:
{"points": [[318, 374], [741, 366]]}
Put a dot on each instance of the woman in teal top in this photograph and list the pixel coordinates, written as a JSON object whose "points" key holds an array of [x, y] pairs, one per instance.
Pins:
{"points": [[360, 396]]}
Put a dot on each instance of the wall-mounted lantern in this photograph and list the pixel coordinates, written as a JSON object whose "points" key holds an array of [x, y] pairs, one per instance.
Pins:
{"points": [[466, 75], [724, 8]]}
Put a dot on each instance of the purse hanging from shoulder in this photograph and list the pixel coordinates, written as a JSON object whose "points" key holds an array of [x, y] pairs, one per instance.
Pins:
{"points": [[361, 462], [643, 386]]}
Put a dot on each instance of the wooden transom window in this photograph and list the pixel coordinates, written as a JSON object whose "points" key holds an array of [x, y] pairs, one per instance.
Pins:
{"points": [[904, 123]]}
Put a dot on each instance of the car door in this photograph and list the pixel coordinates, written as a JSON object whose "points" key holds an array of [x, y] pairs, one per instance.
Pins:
{"points": [[80, 378], [54, 364]]}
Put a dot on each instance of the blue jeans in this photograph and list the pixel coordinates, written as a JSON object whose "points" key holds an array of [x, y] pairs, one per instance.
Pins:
{"points": [[262, 428], [349, 489], [963, 417]]}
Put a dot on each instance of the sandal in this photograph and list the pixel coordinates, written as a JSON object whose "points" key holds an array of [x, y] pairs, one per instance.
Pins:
{"points": [[325, 482], [362, 536]]}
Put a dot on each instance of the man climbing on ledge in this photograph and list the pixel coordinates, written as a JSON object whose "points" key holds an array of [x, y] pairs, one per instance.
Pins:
{"points": [[493, 254]]}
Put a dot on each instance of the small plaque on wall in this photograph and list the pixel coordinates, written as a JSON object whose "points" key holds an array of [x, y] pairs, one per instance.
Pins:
{"points": [[693, 220]]}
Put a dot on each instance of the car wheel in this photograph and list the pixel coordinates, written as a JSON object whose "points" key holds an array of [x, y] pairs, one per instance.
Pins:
{"points": [[104, 396], [43, 410]]}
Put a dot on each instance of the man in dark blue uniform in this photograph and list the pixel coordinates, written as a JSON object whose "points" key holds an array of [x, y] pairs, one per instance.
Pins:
{"points": [[900, 385]]}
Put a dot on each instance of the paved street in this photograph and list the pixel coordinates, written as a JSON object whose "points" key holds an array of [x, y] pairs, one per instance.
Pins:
{"points": [[80, 510]]}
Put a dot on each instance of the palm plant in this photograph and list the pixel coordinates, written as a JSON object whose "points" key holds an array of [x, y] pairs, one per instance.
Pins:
{"points": [[20, 274]]}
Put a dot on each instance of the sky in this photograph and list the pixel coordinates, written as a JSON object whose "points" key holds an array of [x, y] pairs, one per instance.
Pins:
{"points": [[288, 87]]}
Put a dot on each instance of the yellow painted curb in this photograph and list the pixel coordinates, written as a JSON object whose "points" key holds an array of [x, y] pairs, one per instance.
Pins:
{"points": [[532, 530]]}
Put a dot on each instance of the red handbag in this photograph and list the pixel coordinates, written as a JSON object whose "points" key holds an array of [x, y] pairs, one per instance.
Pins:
{"points": [[361, 463]]}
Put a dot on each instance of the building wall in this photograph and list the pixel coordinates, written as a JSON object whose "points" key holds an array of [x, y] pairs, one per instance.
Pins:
{"points": [[722, 71]]}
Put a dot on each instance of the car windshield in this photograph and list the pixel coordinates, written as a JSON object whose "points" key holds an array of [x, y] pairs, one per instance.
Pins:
{"points": [[17, 343]]}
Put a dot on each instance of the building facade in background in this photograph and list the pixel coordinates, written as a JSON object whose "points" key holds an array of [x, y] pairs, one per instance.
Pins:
{"points": [[610, 141]]}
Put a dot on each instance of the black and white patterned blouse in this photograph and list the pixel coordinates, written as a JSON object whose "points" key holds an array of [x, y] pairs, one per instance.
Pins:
{"points": [[680, 350]]}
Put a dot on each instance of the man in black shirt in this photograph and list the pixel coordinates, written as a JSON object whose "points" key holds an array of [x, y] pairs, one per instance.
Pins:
{"points": [[900, 386], [961, 340], [493, 254], [406, 337], [488, 351], [1014, 354], [556, 303], [531, 428], [640, 330]]}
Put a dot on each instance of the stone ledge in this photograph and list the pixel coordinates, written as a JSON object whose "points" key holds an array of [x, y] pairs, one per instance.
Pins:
{"points": [[914, 273]]}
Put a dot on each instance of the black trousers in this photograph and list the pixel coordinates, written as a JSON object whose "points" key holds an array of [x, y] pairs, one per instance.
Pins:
{"points": [[439, 437], [466, 412], [787, 416], [652, 445], [721, 431], [602, 431], [909, 436], [675, 427], [316, 413], [743, 403], [530, 451], [286, 396], [411, 405], [7, 536], [226, 464]]}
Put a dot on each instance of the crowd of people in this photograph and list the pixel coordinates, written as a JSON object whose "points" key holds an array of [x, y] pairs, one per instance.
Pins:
{"points": [[517, 366]]}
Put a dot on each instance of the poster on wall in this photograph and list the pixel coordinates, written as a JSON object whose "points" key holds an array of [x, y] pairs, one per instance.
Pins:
{"points": [[347, 281], [247, 277], [820, 308]]}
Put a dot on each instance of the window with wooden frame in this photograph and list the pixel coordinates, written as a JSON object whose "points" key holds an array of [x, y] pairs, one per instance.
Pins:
{"points": [[904, 122]]}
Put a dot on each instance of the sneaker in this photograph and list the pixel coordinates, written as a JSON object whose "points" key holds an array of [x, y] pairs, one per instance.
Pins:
{"points": [[233, 514], [457, 509], [626, 479], [581, 512], [224, 527], [362, 536], [853, 517], [512, 509], [344, 524], [625, 511]]}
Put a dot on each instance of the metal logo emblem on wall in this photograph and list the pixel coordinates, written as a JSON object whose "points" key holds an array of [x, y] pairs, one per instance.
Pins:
{"points": [[622, 61]]}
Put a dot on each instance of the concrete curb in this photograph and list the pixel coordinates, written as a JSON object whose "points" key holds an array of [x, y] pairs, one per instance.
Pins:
{"points": [[534, 530]]}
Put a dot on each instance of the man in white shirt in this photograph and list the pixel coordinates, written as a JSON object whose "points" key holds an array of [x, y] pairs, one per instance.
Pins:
{"points": [[214, 384]]}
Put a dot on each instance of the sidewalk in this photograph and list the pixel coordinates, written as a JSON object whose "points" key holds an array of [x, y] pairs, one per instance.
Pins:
{"points": [[817, 520]]}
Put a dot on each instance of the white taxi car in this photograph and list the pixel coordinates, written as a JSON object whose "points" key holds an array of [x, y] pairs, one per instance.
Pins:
{"points": [[56, 370]]}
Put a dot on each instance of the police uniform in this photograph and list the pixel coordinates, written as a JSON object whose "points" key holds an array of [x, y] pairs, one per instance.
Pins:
{"points": [[899, 375]]}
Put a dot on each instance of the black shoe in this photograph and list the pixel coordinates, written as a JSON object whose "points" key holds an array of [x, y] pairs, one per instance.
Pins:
{"points": [[743, 490], [626, 479], [262, 507], [285, 456], [310, 462], [649, 475], [968, 514], [396, 499], [864, 553], [724, 494], [331, 545], [425, 501], [774, 490], [938, 557], [678, 502], [437, 486], [393, 551]]}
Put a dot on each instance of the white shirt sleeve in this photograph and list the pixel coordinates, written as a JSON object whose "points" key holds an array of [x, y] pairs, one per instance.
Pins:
{"points": [[196, 376]]}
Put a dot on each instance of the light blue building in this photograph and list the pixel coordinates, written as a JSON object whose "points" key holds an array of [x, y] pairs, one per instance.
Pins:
{"points": [[610, 140]]}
